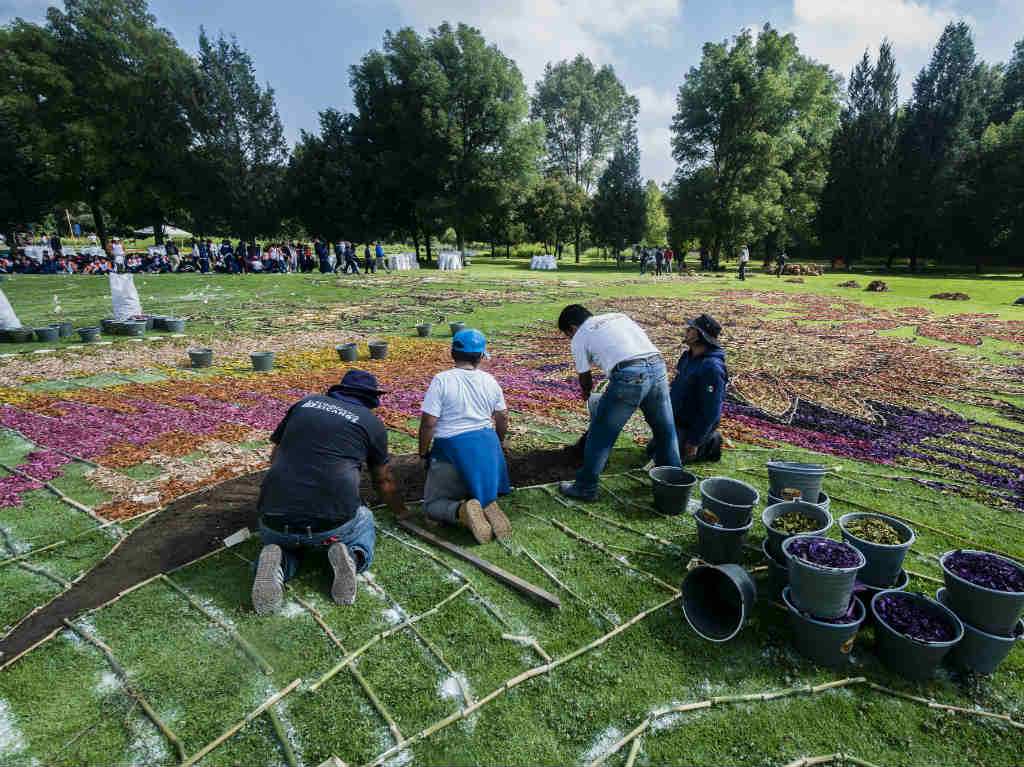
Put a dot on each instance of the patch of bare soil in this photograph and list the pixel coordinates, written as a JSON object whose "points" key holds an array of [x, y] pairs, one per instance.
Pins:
{"points": [[196, 525]]}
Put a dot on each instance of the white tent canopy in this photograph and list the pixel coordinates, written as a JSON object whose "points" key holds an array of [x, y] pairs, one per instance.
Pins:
{"points": [[169, 231]]}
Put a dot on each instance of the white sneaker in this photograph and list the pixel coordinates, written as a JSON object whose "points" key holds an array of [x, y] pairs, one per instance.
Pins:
{"points": [[268, 586], [343, 590]]}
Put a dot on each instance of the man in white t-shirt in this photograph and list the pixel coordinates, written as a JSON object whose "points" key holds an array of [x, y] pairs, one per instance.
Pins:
{"points": [[117, 251], [466, 464], [636, 379]]}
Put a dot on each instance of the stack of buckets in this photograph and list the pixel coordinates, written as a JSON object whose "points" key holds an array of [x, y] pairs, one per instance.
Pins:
{"points": [[717, 597]]}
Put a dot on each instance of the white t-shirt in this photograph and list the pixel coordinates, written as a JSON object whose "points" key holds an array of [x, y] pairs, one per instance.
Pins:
{"points": [[462, 400], [744, 256], [605, 340]]}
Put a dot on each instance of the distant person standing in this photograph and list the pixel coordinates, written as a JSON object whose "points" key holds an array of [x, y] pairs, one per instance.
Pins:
{"points": [[669, 255], [744, 258], [659, 261], [780, 263], [117, 251], [369, 262], [380, 256]]}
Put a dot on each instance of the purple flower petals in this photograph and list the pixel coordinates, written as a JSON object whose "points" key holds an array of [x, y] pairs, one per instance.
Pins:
{"points": [[823, 552], [986, 570], [907, 615]]}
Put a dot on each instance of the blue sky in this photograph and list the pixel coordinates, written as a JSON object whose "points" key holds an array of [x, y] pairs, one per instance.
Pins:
{"points": [[304, 48]]}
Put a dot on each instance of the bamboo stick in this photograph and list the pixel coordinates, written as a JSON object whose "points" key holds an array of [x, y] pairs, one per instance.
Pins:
{"points": [[925, 577], [381, 636], [637, 551], [28, 554], [392, 725], [630, 736], [67, 499], [123, 678], [275, 721], [612, 522], [808, 761], [27, 650], [946, 706], [634, 749], [232, 730], [571, 593], [622, 560], [242, 642], [53, 757], [40, 571]]}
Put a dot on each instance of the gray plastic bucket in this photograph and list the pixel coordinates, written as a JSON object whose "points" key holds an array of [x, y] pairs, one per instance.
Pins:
{"points": [[423, 329], [822, 591], [884, 562], [108, 324], [378, 350], [47, 333], [823, 500], [773, 512], [262, 361], [18, 335], [729, 500], [150, 320], [716, 600], [671, 487], [133, 328], [790, 475], [906, 656], [201, 358], [980, 651], [455, 327], [720, 545], [90, 334], [988, 610], [867, 592], [64, 329], [347, 352], [173, 326], [827, 644], [159, 322], [778, 572]]}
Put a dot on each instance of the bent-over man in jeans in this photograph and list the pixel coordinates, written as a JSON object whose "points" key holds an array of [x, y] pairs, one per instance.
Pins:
{"points": [[636, 379], [310, 499]]}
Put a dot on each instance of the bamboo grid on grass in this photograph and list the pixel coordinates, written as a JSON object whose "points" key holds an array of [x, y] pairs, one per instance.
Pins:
{"points": [[433, 648], [762, 697], [840, 756], [65, 498], [374, 699], [514, 682], [576, 507], [384, 635], [123, 678]]}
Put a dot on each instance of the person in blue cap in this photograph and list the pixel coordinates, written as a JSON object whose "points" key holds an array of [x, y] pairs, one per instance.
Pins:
{"points": [[310, 498], [466, 470], [698, 391]]}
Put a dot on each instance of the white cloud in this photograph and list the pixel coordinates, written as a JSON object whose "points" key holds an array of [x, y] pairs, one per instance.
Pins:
{"points": [[837, 32], [534, 32]]}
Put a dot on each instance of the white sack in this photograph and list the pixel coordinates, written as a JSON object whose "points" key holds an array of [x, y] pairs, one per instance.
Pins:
{"points": [[124, 296]]}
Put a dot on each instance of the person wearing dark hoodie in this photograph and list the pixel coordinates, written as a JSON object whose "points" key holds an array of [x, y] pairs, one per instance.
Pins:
{"points": [[310, 498], [698, 391]]}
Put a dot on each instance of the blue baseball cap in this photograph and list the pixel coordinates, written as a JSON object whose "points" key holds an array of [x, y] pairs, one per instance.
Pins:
{"points": [[470, 341]]}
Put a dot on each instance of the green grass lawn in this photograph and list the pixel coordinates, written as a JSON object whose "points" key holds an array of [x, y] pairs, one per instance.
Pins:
{"points": [[63, 704]]}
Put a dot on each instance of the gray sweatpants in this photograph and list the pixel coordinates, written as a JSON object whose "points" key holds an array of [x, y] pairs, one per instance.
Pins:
{"points": [[444, 492]]}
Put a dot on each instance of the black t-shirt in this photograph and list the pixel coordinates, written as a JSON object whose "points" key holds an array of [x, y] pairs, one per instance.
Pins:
{"points": [[321, 442]]}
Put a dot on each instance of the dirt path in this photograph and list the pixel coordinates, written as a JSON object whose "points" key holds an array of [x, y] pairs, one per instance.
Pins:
{"points": [[193, 526]]}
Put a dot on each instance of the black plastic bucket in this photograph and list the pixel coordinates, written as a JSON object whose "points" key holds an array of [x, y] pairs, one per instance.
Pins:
{"points": [[910, 657], [716, 600], [90, 334], [347, 352], [262, 361], [827, 644], [201, 358], [720, 545], [821, 591], [729, 500], [884, 562], [810, 510], [671, 487], [980, 651], [378, 350], [424, 328], [992, 611], [455, 327]]}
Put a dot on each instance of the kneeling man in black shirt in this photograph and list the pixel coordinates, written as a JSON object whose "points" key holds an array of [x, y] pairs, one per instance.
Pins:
{"points": [[310, 495]]}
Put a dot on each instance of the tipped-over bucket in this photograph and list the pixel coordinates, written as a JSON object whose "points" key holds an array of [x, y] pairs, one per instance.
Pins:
{"points": [[717, 599], [787, 476], [671, 486], [729, 500]]}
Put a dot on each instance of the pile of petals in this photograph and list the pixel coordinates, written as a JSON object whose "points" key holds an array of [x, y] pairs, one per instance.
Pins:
{"points": [[824, 552], [905, 614], [986, 570]]}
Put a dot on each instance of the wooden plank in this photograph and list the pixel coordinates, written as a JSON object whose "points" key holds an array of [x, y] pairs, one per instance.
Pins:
{"points": [[504, 576]]}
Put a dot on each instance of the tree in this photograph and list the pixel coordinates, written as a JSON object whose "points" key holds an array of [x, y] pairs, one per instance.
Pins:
{"points": [[240, 153], [743, 114], [1011, 99], [655, 229], [856, 197], [942, 126], [29, 77], [551, 208], [584, 111], [620, 206]]}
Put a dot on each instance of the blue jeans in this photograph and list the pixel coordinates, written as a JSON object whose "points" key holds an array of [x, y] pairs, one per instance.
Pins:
{"points": [[358, 534], [642, 384]]}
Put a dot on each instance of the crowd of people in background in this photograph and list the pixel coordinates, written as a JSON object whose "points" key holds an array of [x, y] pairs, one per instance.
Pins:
{"points": [[203, 256], [656, 260]]}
